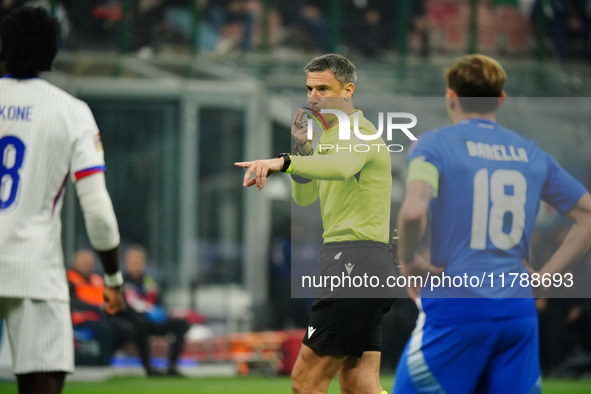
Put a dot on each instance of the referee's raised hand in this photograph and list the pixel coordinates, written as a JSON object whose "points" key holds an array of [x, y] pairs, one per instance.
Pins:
{"points": [[299, 132]]}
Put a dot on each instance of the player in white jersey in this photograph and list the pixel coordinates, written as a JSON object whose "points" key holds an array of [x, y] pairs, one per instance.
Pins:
{"points": [[46, 135]]}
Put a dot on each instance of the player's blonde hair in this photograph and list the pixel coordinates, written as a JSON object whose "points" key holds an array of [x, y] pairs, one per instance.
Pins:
{"points": [[476, 76]]}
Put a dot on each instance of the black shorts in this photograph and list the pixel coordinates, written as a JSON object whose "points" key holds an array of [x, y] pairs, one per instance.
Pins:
{"points": [[350, 326], [346, 326], [356, 269]]}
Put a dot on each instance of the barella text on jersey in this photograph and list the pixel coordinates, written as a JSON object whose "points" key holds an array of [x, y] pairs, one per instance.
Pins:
{"points": [[496, 152]]}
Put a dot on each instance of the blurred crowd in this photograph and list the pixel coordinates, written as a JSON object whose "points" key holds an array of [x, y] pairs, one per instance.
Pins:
{"points": [[131, 332], [372, 28], [565, 323]]}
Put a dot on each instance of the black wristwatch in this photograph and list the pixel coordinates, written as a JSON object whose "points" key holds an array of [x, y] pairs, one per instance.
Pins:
{"points": [[286, 161]]}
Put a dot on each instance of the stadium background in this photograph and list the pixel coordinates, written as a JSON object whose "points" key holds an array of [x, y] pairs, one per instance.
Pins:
{"points": [[180, 96]]}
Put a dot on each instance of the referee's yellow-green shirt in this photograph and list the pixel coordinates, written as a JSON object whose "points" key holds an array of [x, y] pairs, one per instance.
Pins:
{"points": [[353, 180]]}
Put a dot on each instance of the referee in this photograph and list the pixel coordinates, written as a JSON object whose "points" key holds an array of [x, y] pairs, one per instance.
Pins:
{"points": [[354, 187]]}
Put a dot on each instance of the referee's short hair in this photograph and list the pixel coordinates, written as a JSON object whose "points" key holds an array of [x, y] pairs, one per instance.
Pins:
{"points": [[342, 68], [29, 41]]}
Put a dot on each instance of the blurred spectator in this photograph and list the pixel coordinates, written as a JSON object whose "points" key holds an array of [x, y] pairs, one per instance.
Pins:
{"points": [[579, 318], [565, 336], [306, 24], [579, 25], [147, 19], [6, 6], [91, 325], [553, 332], [565, 323], [364, 27], [373, 26], [146, 315], [576, 314], [280, 277], [511, 26], [567, 23], [420, 27], [223, 24], [234, 20], [179, 18], [91, 23], [291, 304]]}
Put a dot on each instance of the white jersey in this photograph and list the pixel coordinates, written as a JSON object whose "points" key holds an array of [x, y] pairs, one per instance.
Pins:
{"points": [[45, 134]]}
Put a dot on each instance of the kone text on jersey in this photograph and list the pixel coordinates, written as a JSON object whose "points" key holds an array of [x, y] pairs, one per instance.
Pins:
{"points": [[15, 112]]}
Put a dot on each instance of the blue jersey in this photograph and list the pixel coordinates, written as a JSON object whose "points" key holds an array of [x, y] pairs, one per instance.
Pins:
{"points": [[491, 181]]}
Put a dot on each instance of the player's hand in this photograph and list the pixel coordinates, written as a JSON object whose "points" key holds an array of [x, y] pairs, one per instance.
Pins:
{"points": [[528, 267], [419, 266], [539, 291], [260, 170], [299, 132], [114, 301]]}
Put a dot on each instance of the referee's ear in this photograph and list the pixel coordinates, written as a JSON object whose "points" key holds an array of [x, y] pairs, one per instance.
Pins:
{"points": [[349, 89]]}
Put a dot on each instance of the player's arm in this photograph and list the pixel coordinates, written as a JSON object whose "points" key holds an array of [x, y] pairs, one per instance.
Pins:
{"points": [[422, 186], [577, 240], [412, 218], [103, 233]]}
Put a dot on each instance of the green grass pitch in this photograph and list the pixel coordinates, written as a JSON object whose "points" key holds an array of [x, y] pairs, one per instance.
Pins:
{"points": [[241, 385]]}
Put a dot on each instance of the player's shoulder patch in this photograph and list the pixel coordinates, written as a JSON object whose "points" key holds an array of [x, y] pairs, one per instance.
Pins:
{"points": [[98, 144]]}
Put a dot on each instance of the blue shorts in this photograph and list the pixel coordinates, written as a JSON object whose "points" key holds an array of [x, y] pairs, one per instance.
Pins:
{"points": [[492, 356]]}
